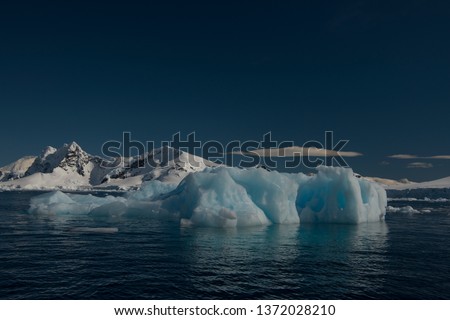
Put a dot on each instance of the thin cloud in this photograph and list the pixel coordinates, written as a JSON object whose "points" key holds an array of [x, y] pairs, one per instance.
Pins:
{"points": [[298, 152], [403, 156], [419, 165], [413, 156]]}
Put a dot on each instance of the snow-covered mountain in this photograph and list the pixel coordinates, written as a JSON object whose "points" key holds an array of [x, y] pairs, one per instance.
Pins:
{"points": [[406, 189], [435, 184], [430, 189], [405, 184], [16, 169], [163, 164], [71, 168]]}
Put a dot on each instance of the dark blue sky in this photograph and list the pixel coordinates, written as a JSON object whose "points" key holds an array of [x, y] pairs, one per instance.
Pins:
{"points": [[374, 72]]}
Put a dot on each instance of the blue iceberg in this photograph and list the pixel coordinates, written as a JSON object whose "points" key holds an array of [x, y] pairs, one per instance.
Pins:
{"points": [[234, 197]]}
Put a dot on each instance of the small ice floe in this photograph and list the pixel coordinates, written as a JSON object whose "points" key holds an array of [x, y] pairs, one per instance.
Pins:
{"points": [[406, 209]]}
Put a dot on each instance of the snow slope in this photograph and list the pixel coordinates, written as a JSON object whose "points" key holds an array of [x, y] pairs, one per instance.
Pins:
{"points": [[16, 169]]}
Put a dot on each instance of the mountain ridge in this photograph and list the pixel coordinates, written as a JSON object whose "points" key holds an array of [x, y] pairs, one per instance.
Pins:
{"points": [[71, 168]]}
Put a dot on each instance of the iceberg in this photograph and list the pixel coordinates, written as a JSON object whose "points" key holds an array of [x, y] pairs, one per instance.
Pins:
{"points": [[234, 197], [57, 203]]}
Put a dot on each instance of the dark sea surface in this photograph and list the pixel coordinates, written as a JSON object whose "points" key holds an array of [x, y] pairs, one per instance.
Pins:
{"points": [[66, 257]]}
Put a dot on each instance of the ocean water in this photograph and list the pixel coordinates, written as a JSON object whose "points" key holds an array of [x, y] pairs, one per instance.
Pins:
{"points": [[65, 257]]}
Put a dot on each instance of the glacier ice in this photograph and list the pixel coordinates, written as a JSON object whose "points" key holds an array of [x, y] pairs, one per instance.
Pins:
{"points": [[233, 197]]}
